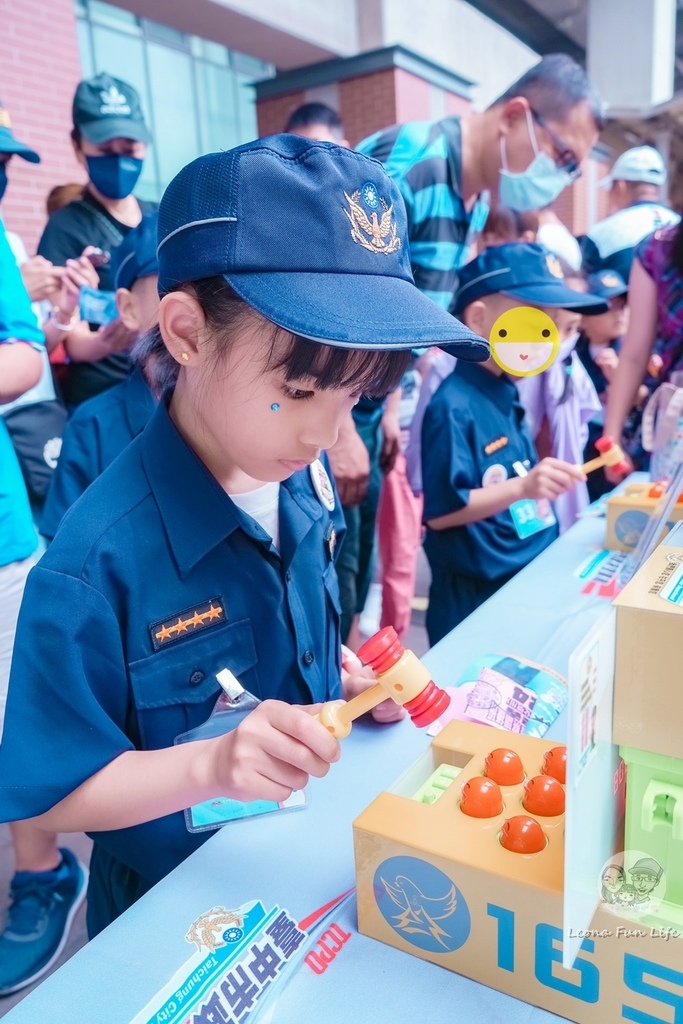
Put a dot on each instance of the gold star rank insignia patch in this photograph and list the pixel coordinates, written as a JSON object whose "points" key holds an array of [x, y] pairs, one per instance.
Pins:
{"points": [[494, 446], [191, 620]]}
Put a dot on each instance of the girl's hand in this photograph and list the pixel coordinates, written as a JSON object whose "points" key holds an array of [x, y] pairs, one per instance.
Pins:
{"points": [[362, 679], [273, 752]]}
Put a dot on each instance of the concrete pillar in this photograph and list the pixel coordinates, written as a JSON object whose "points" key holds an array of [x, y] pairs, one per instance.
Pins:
{"points": [[630, 53]]}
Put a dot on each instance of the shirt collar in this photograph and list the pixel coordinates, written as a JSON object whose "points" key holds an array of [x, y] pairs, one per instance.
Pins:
{"points": [[500, 390], [139, 402], [196, 512]]}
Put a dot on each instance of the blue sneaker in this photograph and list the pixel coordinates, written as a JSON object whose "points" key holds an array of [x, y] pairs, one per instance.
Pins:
{"points": [[44, 904]]}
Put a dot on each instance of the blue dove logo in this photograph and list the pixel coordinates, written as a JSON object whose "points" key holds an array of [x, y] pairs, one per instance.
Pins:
{"points": [[422, 904]]}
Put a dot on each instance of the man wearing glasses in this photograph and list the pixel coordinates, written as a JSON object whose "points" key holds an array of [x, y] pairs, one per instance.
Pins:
{"points": [[523, 151]]}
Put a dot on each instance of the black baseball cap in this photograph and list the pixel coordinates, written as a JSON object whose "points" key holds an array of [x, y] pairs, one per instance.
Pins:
{"points": [[8, 143], [525, 271], [107, 108]]}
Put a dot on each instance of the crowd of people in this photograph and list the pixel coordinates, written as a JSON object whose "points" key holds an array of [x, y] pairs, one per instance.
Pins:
{"points": [[216, 413]]}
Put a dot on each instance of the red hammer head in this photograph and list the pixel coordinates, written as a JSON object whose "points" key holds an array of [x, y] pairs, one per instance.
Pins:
{"points": [[381, 652], [613, 454]]}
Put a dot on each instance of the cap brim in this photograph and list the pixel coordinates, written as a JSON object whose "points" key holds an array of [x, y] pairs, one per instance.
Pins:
{"points": [[357, 311], [612, 293], [19, 149], [115, 128], [560, 296]]}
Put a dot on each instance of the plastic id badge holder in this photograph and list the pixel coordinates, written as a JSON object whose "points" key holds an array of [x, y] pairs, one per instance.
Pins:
{"points": [[232, 707]]}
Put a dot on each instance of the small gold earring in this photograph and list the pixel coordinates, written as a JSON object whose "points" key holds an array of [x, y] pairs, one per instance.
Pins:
{"points": [[185, 357]]}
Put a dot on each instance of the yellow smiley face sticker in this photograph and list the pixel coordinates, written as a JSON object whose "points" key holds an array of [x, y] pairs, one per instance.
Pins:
{"points": [[524, 341]]}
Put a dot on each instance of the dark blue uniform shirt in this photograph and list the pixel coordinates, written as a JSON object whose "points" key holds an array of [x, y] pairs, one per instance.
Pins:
{"points": [[96, 434], [155, 582], [474, 421]]}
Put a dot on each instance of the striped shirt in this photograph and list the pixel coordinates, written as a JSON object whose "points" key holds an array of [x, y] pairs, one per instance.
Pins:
{"points": [[424, 159]]}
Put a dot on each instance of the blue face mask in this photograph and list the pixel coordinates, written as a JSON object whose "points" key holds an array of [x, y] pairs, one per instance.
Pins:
{"points": [[114, 176], [3, 180], [535, 187]]}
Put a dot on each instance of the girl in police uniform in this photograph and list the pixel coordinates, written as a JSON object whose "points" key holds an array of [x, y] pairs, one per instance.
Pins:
{"points": [[210, 543]]}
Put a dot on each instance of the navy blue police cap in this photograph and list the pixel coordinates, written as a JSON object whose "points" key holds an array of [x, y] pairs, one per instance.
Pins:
{"points": [[607, 283], [524, 271], [137, 255], [313, 236]]}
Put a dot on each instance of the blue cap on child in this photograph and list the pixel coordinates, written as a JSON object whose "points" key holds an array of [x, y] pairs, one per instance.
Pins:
{"points": [[608, 284], [137, 255], [524, 271], [313, 236]]}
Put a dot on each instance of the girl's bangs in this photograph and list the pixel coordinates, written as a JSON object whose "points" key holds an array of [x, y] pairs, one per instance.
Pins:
{"points": [[370, 372]]}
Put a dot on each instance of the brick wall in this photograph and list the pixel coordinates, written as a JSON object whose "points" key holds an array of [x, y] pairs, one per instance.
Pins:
{"points": [[366, 103], [39, 70], [573, 205], [273, 113]]}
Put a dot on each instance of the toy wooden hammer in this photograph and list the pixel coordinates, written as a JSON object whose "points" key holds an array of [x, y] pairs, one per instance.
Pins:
{"points": [[610, 455], [400, 675]]}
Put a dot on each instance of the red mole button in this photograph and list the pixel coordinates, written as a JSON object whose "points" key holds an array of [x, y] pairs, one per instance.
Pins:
{"points": [[656, 491], [504, 766], [522, 835], [543, 795], [481, 798], [555, 763]]}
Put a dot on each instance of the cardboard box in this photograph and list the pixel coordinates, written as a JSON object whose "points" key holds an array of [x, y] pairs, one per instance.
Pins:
{"points": [[439, 886], [628, 513], [648, 694]]}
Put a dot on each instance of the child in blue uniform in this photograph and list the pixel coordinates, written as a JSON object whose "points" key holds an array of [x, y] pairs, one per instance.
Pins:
{"points": [[210, 542], [102, 426], [486, 497]]}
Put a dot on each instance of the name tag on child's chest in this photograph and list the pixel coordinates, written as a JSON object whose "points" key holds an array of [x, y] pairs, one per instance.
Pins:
{"points": [[530, 517]]}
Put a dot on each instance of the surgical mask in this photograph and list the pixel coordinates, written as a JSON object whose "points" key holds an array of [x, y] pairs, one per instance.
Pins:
{"points": [[115, 176], [3, 180], [535, 187]]}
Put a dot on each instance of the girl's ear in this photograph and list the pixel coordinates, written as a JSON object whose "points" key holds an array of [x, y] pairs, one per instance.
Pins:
{"points": [[183, 326]]}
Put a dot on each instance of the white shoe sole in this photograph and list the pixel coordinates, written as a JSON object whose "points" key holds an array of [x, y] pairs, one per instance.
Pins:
{"points": [[75, 906]]}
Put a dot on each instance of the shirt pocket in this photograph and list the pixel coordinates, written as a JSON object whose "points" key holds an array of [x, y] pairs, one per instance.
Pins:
{"points": [[175, 689]]}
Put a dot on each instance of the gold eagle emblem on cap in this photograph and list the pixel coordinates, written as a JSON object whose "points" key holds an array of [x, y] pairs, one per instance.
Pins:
{"points": [[5, 120], [610, 280], [376, 235], [554, 266]]}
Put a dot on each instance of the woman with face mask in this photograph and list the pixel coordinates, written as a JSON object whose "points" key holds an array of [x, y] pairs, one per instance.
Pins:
{"points": [[110, 141]]}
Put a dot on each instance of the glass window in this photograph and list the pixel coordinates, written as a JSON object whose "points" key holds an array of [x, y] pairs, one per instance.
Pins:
{"points": [[85, 48], [173, 102], [197, 96], [218, 124], [246, 107], [115, 17], [206, 50]]}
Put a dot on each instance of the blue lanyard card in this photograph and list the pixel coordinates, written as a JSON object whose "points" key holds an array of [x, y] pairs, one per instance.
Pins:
{"points": [[232, 707], [530, 517]]}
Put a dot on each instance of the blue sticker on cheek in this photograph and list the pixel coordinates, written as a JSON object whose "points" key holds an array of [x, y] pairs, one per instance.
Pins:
{"points": [[274, 407]]}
